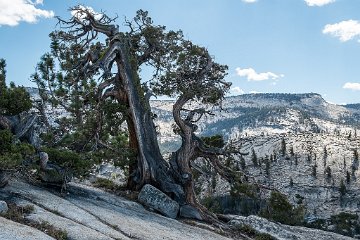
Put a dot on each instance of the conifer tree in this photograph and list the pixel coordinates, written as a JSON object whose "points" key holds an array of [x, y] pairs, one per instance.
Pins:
{"points": [[283, 147], [13, 101], [342, 188], [254, 158]]}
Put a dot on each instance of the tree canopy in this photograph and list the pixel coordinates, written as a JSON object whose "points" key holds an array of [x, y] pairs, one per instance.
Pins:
{"points": [[98, 83]]}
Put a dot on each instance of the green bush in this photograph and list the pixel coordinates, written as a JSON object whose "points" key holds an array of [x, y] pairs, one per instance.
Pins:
{"points": [[346, 224], [212, 204], [214, 141], [280, 210], [107, 184], [79, 164], [13, 99], [243, 189], [12, 152]]}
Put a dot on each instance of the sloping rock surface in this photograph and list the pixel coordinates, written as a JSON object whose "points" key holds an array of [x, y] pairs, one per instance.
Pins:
{"points": [[285, 232], [89, 213], [14, 231]]}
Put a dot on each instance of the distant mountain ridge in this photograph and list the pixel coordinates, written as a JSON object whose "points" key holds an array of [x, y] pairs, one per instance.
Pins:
{"points": [[268, 113], [353, 106]]}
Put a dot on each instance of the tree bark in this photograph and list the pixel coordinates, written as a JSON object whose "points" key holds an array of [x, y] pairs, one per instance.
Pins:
{"points": [[151, 166], [181, 158]]}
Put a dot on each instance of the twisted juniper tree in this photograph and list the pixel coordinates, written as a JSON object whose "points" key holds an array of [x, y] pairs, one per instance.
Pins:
{"points": [[181, 69]]}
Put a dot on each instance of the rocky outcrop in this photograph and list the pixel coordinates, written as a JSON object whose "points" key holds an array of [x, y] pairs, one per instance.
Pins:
{"points": [[155, 199], [284, 232], [89, 213]]}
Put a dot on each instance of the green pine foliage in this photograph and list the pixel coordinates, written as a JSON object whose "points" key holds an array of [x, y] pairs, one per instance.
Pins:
{"points": [[283, 147], [279, 209], [214, 141], [342, 188], [13, 100], [346, 223], [254, 158], [92, 132], [12, 151]]}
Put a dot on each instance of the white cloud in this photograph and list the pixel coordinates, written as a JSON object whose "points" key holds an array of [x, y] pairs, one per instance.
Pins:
{"points": [[352, 86], [80, 15], [236, 90], [15, 11], [249, 1], [254, 92], [318, 3], [345, 30], [252, 75]]}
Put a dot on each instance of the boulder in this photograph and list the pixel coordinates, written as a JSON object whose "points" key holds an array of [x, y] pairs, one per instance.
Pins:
{"points": [[188, 211], [154, 198], [3, 207], [52, 175]]}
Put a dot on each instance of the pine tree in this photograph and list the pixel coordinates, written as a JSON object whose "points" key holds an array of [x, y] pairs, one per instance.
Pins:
{"points": [[283, 147], [242, 163], [13, 101], [342, 188], [92, 131], [267, 167], [254, 158], [356, 156], [313, 171], [328, 172], [325, 156], [347, 177]]}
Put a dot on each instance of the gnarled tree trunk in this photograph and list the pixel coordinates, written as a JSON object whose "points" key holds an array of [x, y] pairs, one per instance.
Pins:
{"points": [[151, 166]]}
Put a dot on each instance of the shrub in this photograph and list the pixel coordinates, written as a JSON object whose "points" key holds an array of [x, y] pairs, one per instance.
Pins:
{"points": [[17, 214], [212, 204], [214, 141], [346, 223], [280, 210], [241, 189], [80, 165], [106, 184], [12, 153]]}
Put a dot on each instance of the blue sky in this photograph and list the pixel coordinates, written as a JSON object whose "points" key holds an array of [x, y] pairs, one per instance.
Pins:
{"points": [[293, 46]]}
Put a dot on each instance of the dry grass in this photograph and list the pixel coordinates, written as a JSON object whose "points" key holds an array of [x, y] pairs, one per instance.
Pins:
{"points": [[18, 214]]}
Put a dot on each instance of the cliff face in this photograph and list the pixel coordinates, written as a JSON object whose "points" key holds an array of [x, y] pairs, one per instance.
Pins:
{"points": [[321, 139]]}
